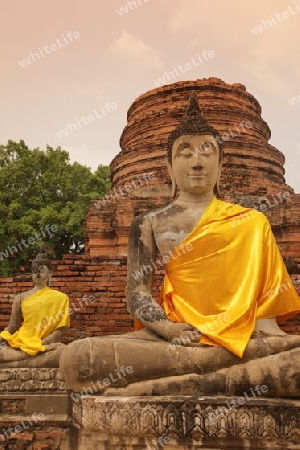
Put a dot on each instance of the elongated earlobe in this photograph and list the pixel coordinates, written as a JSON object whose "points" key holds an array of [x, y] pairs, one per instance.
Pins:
{"points": [[216, 189], [49, 280], [169, 167], [173, 188]]}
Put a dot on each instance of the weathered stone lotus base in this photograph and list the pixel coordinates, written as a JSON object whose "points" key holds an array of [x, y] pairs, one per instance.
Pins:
{"points": [[186, 423]]}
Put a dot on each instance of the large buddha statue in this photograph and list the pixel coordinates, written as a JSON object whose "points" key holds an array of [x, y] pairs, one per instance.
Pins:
{"points": [[38, 322], [214, 330]]}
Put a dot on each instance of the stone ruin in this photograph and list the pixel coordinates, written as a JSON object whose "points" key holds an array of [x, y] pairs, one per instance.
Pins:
{"points": [[253, 175]]}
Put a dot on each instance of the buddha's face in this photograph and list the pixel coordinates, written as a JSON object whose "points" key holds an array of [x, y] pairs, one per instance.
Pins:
{"points": [[195, 163], [40, 274]]}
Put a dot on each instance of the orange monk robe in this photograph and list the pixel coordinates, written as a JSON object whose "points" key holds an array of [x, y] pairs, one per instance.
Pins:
{"points": [[233, 276], [43, 312]]}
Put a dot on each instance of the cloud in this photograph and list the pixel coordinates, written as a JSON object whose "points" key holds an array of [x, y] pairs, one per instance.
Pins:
{"points": [[268, 56], [232, 15], [260, 58], [132, 49]]}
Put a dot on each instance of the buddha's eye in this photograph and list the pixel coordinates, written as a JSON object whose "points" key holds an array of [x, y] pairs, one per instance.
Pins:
{"points": [[186, 151], [207, 148]]}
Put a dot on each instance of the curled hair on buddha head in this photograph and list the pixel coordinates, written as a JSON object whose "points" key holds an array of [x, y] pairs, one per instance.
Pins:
{"points": [[192, 122], [42, 259]]}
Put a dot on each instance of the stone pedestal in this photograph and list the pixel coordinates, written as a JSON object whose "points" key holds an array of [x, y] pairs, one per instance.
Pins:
{"points": [[34, 411], [38, 413], [186, 423]]}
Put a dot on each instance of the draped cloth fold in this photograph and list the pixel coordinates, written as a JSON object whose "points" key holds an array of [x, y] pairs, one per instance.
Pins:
{"points": [[232, 276], [43, 312]]}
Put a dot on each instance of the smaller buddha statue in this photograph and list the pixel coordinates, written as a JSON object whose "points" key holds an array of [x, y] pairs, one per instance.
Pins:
{"points": [[39, 320]]}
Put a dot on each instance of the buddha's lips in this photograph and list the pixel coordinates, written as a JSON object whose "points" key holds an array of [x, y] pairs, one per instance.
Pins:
{"points": [[197, 176]]}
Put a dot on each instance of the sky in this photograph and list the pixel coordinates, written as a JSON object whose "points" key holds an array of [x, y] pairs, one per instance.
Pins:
{"points": [[67, 59]]}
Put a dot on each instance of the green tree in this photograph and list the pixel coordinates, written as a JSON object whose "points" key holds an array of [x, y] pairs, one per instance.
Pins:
{"points": [[43, 198]]}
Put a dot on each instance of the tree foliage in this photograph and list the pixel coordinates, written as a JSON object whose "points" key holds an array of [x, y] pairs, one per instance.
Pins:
{"points": [[43, 198]]}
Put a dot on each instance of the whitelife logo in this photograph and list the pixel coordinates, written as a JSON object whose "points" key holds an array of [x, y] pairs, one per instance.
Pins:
{"points": [[294, 100], [183, 68], [85, 120], [48, 49], [279, 17], [132, 5]]}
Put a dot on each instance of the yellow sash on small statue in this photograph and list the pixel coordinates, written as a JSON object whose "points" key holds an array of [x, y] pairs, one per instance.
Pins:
{"points": [[43, 312], [233, 275]]}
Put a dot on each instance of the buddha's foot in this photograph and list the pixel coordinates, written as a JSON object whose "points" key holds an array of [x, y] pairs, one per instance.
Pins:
{"points": [[103, 363], [42, 359], [179, 385], [12, 354], [272, 376], [279, 373], [262, 333], [270, 345]]}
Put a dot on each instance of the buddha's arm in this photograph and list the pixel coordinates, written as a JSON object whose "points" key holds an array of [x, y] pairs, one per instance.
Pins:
{"points": [[56, 336], [15, 317], [140, 274]]}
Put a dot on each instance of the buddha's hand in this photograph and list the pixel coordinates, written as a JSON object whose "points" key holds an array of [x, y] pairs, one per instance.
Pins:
{"points": [[51, 347], [3, 343], [181, 333]]}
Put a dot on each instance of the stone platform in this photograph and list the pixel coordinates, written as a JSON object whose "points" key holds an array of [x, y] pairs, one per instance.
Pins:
{"points": [[35, 410], [38, 412], [186, 423]]}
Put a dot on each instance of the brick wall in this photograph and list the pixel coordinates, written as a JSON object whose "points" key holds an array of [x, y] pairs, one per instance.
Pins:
{"points": [[96, 289]]}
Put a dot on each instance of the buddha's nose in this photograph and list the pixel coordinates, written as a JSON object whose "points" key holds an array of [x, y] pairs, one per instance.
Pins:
{"points": [[197, 162]]}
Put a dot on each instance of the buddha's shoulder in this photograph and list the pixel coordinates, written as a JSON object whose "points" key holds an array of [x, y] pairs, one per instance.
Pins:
{"points": [[234, 209], [57, 294], [155, 215]]}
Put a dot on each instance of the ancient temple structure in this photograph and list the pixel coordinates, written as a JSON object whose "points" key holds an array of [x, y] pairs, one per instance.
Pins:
{"points": [[253, 175]]}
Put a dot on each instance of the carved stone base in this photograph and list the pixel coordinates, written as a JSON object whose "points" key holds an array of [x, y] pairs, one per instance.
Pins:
{"points": [[37, 413], [187, 423], [34, 410], [31, 380]]}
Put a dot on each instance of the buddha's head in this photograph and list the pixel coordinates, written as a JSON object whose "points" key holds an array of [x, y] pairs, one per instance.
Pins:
{"points": [[41, 268], [194, 153]]}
